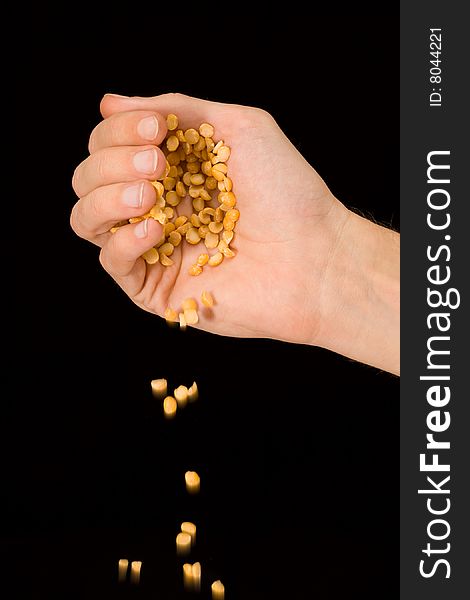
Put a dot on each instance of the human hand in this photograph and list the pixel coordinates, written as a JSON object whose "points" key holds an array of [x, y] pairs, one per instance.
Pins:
{"points": [[291, 239]]}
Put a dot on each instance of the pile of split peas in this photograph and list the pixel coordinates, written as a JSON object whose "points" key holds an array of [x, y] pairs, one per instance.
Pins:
{"points": [[196, 168]]}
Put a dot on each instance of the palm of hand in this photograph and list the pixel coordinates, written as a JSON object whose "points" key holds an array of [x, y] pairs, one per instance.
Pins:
{"points": [[283, 205]]}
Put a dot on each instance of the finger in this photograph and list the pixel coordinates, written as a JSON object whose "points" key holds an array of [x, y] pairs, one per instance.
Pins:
{"points": [[113, 165], [128, 129], [98, 211], [190, 110], [121, 255]]}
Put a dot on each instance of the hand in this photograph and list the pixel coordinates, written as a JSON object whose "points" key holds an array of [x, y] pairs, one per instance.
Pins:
{"points": [[289, 220], [285, 281]]}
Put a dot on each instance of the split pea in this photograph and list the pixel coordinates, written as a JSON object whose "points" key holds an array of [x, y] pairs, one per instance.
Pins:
{"points": [[191, 316], [171, 316], [206, 130], [193, 482], [169, 407], [192, 236], [207, 299], [195, 270], [183, 544], [172, 122], [175, 238], [181, 395], [192, 136], [216, 259], [151, 256], [193, 392], [218, 590], [172, 143], [211, 240], [159, 387]]}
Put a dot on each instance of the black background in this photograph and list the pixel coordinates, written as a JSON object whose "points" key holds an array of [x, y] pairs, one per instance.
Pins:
{"points": [[297, 447]]}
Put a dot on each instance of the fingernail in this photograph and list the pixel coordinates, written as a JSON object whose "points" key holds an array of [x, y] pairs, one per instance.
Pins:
{"points": [[134, 195], [141, 229], [146, 161], [148, 128], [116, 95]]}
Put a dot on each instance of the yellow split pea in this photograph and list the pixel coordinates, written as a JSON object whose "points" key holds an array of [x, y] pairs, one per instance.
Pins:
{"points": [[193, 482], [169, 407], [159, 387], [218, 590], [192, 576], [207, 299], [183, 544], [181, 396]]}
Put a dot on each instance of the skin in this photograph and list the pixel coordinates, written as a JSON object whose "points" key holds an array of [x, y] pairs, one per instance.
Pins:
{"points": [[307, 269]]}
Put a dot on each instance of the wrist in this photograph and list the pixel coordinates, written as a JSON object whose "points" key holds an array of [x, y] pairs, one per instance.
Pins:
{"points": [[359, 299]]}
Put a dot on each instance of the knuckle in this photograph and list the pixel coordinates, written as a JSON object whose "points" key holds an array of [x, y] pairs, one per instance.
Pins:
{"points": [[85, 213], [249, 117], [103, 134], [75, 221], [92, 142], [103, 258], [112, 130], [110, 256], [174, 96], [75, 178], [101, 165], [94, 206], [260, 115]]}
